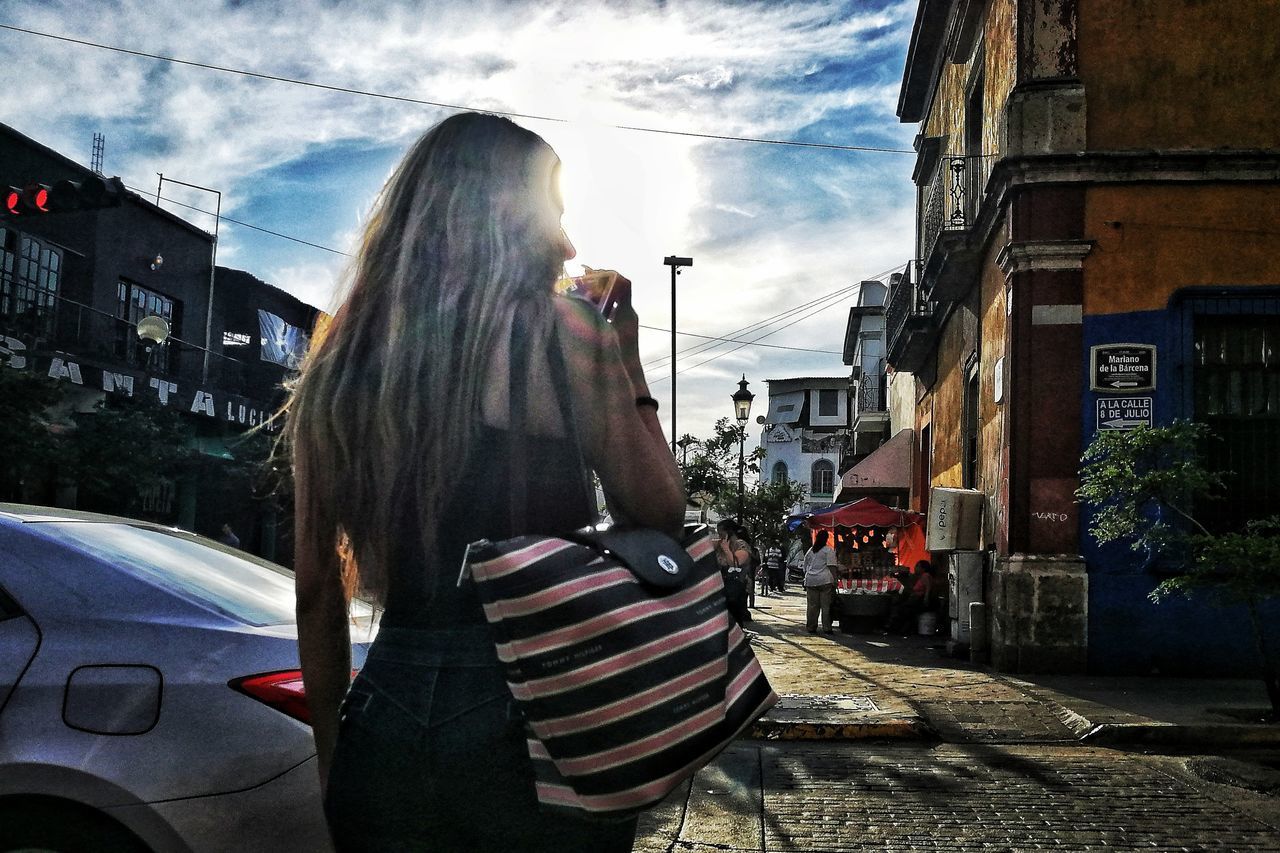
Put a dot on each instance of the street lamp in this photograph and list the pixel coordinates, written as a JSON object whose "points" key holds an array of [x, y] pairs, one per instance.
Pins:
{"points": [[683, 444], [675, 262], [213, 265], [742, 411]]}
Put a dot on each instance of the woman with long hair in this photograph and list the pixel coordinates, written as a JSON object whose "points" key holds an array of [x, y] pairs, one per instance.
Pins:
{"points": [[400, 431]]}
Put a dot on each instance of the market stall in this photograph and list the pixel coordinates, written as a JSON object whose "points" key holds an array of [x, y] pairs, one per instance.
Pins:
{"points": [[875, 546]]}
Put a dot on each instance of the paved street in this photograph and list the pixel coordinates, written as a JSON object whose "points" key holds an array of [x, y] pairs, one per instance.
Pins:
{"points": [[865, 796], [884, 743]]}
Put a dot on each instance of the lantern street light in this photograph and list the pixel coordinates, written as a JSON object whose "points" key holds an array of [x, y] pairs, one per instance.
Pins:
{"points": [[683, 444], [742, 411]]}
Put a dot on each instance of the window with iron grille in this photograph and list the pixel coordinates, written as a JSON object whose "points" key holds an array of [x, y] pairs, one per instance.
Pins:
{"points": [[1237, 394], [780, 473], [30, 271], [823, 478], [133, 302]]}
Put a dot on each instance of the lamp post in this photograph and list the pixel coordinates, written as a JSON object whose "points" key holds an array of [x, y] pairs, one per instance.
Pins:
{"points": [[213, 264], [742, 411], [683, 444], [675, 262]]}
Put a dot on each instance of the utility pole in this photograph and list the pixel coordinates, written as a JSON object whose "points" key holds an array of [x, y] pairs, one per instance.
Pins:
{"points": [[675, 262]]}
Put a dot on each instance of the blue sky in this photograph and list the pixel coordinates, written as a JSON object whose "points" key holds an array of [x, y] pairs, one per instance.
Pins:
{"points": [[769, 227]]}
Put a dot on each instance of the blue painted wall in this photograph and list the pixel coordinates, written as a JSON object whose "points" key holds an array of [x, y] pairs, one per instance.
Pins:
{"points": [[1128, 634]]}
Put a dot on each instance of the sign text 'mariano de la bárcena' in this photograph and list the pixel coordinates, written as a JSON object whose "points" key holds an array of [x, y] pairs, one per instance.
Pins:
{"points": [[1120, 368]]}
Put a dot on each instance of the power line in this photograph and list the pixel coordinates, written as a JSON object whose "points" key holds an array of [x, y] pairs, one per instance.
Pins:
{"points": [[737, 341], [275, 78], [748, 329], [226, 218], [347, 254], [819, 304]]}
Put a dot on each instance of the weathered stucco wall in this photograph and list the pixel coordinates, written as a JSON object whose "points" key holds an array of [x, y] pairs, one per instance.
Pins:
{"points": [[994, 330], [995, 49], [1151, 240], [1157, 79]]}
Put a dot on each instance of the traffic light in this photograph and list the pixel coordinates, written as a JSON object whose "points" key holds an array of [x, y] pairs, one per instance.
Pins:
{"points": [[92, 193]]}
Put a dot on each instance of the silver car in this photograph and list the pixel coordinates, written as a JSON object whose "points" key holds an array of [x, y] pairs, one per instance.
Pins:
{"points": [[150, 697]]}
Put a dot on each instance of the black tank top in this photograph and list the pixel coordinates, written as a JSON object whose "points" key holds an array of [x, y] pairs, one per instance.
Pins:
{"points": [[424, 593]]}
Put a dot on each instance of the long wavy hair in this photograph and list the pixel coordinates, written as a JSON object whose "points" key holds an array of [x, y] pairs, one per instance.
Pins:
{"points": [[387, 402]]}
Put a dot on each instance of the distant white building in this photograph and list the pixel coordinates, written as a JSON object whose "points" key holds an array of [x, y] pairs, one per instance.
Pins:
{"points": [[805, 434]]}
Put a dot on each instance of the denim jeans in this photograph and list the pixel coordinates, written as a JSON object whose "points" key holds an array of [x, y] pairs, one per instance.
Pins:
{"points": [[431, 756]]}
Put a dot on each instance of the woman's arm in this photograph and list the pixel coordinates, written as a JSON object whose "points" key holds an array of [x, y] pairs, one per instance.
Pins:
{"points": [[622, 441], [324, 640]]}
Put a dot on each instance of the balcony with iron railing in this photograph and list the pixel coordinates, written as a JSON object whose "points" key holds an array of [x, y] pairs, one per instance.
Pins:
{"points": [[909, 320], [870, 399], [950, 210], [65, 327]]}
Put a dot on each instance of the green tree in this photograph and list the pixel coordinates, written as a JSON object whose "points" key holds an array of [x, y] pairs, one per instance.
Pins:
{"points": [[1143, 485], [125, 447], [29, 444], [712, 470]]}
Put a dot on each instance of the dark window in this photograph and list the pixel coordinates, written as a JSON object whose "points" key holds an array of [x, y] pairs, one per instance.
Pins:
{"points": [[828, 403], [133, 302], [779, 472], [823, 479], [969, 439], [30, 271], [1237, 393]]}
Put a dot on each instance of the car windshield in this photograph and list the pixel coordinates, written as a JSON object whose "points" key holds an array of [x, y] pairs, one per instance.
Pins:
{"points": [[222, 579]]}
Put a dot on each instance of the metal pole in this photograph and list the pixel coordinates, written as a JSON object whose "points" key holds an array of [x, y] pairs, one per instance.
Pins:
{"points": [[742, 437], [674, 271], [213, 267], [675, 262]]}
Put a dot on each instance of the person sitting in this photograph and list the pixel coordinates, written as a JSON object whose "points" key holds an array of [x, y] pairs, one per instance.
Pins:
{"points": [[917, 596]]}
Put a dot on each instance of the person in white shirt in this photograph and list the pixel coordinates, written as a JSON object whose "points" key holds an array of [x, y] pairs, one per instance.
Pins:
{"points": [[819, 582]]}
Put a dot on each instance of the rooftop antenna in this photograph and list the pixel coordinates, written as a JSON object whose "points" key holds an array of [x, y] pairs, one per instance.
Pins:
{"points": [[98, 142]]}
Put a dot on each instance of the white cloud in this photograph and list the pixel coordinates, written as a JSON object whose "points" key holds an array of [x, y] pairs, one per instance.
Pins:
{"points": [[739, 69]]}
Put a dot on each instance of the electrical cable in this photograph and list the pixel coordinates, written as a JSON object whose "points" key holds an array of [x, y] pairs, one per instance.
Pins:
{"points": [[664, 360], [347, 90], [226, 218], [737, 341], [813, 307]]}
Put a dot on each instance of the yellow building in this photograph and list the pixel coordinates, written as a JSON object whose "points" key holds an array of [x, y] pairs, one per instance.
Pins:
{"points": [[1098, 195]]}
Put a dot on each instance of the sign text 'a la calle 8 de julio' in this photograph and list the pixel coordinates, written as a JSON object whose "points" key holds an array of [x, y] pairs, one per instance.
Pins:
{"points": [[1121, 368], [1124, 412]]}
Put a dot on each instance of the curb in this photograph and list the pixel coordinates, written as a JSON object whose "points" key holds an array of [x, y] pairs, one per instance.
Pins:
{"points": [[1174, 734], [822, 730]]}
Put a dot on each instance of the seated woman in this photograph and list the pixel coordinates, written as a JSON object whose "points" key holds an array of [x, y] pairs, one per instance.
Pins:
{"points": [[918, 596]]}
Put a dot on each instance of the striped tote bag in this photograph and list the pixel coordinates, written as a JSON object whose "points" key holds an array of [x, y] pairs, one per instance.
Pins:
{"points": [[627, 687]]}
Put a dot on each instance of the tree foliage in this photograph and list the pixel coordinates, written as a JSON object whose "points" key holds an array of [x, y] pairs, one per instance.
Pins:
{"points": [[28, 445], [711, 478], [1143, 486]]}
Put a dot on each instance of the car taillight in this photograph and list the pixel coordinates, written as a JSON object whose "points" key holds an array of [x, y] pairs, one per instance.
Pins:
{"points": [[280, 690]]}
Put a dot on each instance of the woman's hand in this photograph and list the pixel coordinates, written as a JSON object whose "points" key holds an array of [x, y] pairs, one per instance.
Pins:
{"points": [[626, 325]]}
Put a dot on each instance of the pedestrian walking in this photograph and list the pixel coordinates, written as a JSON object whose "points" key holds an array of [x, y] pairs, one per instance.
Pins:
{"points": [[775, 570], [452, 306], [819, 583], [734, 558]]}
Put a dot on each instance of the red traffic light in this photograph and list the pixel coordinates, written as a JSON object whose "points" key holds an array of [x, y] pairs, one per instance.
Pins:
{"points": [[89, 194], [33, 198]]}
